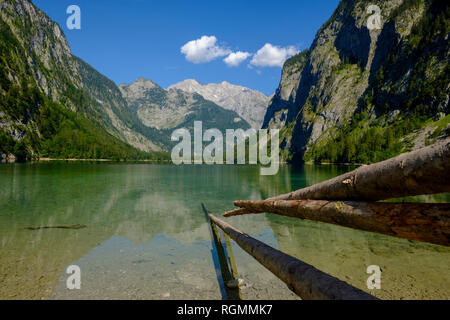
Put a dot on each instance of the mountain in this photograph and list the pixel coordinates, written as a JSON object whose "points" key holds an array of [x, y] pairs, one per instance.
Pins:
{"points": [[249, 104], [360, 95], [168, 110], [53, 104]]}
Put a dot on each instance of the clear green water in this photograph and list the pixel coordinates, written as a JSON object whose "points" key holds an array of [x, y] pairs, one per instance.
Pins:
{"points": [[147, 237]]}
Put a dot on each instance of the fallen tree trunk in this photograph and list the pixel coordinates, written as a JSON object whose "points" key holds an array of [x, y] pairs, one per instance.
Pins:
{"points": [[75, 227], [414, 221], [240, 212], [221, 253], [425, 171], [302, 278]]}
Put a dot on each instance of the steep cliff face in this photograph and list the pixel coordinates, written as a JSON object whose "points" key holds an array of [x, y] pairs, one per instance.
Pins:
{"points": [[38, 68], [249, 104], [276, 115], [359, 89], [283, 100]]}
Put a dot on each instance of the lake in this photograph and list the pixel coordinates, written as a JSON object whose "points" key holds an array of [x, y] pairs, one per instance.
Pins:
{"points": [[147, 237]]}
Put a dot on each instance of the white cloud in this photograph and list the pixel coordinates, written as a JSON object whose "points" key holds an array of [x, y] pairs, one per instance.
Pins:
{"points": [[203, 50], [272, 56], [236, 58]]}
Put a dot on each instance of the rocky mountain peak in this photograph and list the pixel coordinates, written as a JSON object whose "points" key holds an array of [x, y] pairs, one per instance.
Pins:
{"points": [[138, 89], [249, 104]]}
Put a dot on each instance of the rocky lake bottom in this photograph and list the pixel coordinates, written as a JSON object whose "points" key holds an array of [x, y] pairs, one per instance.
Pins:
{"points": [[147, 237]]}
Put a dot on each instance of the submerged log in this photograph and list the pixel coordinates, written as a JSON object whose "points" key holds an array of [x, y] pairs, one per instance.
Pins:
{"points": [[228, 272], [425, 171], [302, 278], [75, 227], [414, 221]]}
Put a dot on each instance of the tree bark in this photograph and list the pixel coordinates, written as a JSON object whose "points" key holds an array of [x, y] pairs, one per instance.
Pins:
{"points": [[303, 279], [414, 221], [425, 171], [240, 212]]}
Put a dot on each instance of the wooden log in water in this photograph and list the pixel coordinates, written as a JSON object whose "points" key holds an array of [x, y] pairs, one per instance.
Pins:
{"points": [[414, 221], [75, 227], [425, 171], [228, 276], [303, 279], [240, 212]]}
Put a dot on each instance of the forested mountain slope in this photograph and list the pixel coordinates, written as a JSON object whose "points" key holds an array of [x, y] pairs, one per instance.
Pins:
{"points": [[53, 104]]}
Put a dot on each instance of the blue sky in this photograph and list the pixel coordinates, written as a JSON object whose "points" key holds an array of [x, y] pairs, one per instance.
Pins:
{"points": [[127, 39]]}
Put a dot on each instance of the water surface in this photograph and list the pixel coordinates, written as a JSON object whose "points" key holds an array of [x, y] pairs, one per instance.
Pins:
{"points": [[147, 237]]}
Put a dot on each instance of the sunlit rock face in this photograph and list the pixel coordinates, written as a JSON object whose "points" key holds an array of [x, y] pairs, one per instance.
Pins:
{"points": [[250, 104]]}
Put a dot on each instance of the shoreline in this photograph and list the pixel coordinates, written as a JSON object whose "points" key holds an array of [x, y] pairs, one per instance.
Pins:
{"points": [[110, 160], [94, 160], [338, 163], [168, 161]]}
